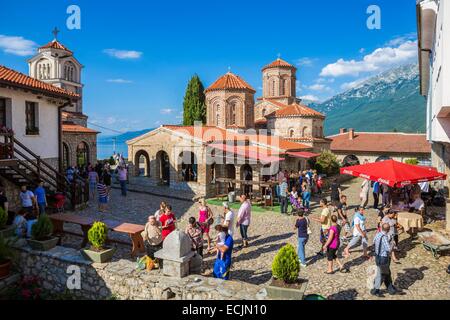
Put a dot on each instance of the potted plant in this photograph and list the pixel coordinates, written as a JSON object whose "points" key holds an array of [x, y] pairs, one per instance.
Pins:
{"points": [[97, 236], [285, 284], [5, 231], [41, 235], [6, 253]]}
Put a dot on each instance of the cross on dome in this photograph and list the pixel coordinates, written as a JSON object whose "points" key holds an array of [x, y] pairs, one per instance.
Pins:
{"points": [[55, 33]]}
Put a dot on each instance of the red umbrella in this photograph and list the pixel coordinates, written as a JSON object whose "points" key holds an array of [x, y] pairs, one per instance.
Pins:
{"points": [[394, 173]]}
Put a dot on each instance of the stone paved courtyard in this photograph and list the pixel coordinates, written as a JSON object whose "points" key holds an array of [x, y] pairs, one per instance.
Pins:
{"points": [[419, 274]]}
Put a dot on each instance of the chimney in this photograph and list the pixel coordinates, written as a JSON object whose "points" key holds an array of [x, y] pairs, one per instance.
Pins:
{"points": [[342, 130], [351, 133]]}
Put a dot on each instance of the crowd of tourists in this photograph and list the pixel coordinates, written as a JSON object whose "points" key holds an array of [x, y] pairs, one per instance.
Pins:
{"points": [[340, 233], [163, 222], [99, 178]]}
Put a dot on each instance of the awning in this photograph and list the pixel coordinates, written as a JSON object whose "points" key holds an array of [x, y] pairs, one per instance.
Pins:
{"points": [[249, 152], [303, 154], [394, 173]]}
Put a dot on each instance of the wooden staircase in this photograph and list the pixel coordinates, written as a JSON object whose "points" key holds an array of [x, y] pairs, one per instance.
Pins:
{"points": [[20, 165]]}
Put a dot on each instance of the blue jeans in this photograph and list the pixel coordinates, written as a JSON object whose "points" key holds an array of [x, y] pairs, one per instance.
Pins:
{"points": [[243, 230], [123, 187], [283, 204], [41, 208], [301, 249], [306, 199]]}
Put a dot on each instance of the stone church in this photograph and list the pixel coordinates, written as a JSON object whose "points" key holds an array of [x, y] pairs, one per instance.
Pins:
{"points": [[241, 140], [55, 64]]}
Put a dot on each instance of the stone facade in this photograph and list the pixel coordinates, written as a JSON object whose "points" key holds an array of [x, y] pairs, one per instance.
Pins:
{"points": [[279, 84], [71, 141], [121, 279], [228, 108]]}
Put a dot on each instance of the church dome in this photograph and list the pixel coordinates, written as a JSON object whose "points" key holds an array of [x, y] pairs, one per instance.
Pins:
{"points": [[230, 81], [55, 44], [279, 63]]}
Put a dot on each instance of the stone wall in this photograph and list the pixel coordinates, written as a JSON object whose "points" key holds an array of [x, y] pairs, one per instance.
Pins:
{"points": [[122, 280], [71, 140]]}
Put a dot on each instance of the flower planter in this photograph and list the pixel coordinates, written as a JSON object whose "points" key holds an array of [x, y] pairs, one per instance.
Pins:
{"points": [[7, 232], [43, 245], [5, 269], [278, 290], [99, 256]]}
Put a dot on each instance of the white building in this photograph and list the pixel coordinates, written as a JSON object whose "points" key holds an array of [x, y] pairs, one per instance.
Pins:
{"points": [[30, 130], [433, 30]]}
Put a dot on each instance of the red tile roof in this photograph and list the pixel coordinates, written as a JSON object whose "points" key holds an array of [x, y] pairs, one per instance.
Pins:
{"points": [[389, 142], [16, 78], [213, 134], [77, 129], [279, 63], [230, 81], [55, 44], [292, 110]]}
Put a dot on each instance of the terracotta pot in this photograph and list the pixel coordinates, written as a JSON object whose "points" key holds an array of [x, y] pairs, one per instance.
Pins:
{"points": [[5, 269]]}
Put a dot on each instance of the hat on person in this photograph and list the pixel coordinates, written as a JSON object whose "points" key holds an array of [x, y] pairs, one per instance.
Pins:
{"points": [[226, 205]]}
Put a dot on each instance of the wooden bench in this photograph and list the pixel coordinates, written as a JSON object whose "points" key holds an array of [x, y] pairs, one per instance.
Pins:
{"points": [[133, 230], [58, 221]]}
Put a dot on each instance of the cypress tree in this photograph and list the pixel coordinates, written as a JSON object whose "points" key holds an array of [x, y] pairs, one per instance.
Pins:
{"points": [[194, 107]]}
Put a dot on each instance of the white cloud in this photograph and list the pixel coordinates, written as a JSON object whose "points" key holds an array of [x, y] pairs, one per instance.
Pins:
{"points": [[379, 60], [166, 111], [119, 81], [319, 87], [17, 45], [401, 39], [123, 54], [310, 97], [305, 62], [362, 50]]}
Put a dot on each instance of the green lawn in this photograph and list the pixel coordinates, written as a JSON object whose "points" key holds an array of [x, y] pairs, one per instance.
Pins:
{"points": [[255, 208]]}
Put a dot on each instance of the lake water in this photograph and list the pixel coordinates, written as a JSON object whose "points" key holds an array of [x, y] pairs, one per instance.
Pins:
{"points": [[105, 149]]}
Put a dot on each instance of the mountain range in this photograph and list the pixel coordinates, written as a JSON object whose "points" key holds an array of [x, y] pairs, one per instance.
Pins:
{"points": [[387, 102]]}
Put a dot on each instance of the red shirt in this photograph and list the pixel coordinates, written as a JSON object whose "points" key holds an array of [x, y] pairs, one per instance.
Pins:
{"points": [[170, 220]]}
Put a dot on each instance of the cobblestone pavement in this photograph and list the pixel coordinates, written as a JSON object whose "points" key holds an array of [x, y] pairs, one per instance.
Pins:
{"points": [[419, 274]]}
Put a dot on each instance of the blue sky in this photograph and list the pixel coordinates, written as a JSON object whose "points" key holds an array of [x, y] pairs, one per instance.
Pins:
{"points": [[139, 55]]}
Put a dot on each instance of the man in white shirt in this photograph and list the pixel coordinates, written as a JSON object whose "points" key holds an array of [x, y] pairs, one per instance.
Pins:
{"points": [[418, 203], [229, 218]]}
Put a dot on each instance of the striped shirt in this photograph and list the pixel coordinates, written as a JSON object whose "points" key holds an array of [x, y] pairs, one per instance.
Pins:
{"points": [[102, 191], [382, 245]]}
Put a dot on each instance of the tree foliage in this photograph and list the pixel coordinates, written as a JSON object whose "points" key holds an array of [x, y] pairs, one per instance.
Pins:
{"points": [[413, 161], [327, 163], [97, 235], [42, 229], [194, 107], [286, 265]]}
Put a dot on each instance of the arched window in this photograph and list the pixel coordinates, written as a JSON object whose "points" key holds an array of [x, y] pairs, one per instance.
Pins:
{"points": [[82, 154], [282, 87], [233, 113], [263, 112], [43, 69], [66, 155], [273, 89], [291, 133], [304, 131]]}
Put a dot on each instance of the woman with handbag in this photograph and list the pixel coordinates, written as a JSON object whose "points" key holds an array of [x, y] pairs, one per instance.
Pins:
{"points": [[205, 219], [303, 229]]}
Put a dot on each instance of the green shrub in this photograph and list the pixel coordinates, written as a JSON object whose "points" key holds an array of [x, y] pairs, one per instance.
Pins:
{"points": [[327, 163], [42, 229], [3, 218], [6, 251], [413, 161], [286, 266], [97, 235]]}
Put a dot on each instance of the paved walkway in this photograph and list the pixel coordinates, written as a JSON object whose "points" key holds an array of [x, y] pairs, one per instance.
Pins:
{"points": [[419, 274]]}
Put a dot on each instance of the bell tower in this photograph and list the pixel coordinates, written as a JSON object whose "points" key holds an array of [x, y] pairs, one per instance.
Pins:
{"points": [[55, 64], [279, 79]]}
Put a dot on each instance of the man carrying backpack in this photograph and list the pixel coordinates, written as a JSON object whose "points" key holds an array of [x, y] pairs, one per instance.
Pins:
{"points": [[383, 262], [359, 233]]}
